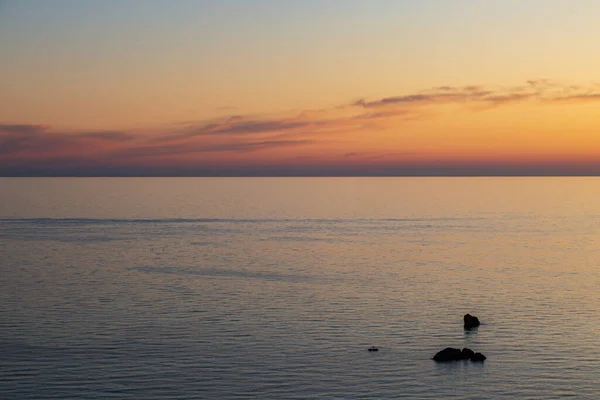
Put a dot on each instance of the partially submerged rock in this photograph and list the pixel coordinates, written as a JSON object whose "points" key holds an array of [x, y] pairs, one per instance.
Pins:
{"points": [[452, 354], [467, 353], [471, 321], [448, 354]]}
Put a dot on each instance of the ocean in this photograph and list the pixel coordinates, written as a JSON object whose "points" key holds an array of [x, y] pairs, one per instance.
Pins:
{"points": [[274, 288]]}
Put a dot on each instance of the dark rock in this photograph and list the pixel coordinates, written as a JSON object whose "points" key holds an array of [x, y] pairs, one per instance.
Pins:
{"points": [[471, 321], [466, 353], [452, 354], [373, 348], [448, 354]]}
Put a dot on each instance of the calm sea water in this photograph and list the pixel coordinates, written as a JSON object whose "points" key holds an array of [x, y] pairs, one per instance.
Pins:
{"points": [[275, 288]]}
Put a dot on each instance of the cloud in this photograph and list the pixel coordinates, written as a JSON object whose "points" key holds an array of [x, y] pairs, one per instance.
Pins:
{"points": [[302, 124], [117, 136], [190, 148], [578, 98], [234, 125], [30, 145], [384, 114], [250, 127], [17, 139], [443, 94], [253, 146], [378, 156], [10, 144], [22, 128], [541, 90]]}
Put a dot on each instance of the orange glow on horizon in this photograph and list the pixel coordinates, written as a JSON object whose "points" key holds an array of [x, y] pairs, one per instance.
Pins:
{"points": [[471, 126]]}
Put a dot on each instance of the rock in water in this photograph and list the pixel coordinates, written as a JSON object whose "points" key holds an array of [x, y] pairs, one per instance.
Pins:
{"points": [[471, 321], [466, 353], [448, 354], [373, 348], [452, 354]]}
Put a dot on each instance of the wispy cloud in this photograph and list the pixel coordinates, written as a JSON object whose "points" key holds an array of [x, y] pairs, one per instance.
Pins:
{"points": [[577, 98], [252, 146], [190, 148], [116, 136], [22, 128], [238, 126], [31, 144], [16, 139], [542, 90], [342, 120], [443, 94]]}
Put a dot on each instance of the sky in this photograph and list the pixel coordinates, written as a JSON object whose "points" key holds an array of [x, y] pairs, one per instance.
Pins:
{"points": [[299, 87]]}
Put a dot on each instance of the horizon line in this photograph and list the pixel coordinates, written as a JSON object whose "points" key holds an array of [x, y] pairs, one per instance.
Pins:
{"points": [[524, 175]]}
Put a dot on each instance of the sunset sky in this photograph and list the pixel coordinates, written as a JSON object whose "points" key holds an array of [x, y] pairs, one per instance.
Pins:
{"points": [[299, 87]]}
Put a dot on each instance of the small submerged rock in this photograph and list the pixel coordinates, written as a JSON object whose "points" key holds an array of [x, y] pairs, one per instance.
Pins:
{"points": [[467, 353], [452, 354], [373, 348], [471, 321], [448, 354]]}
